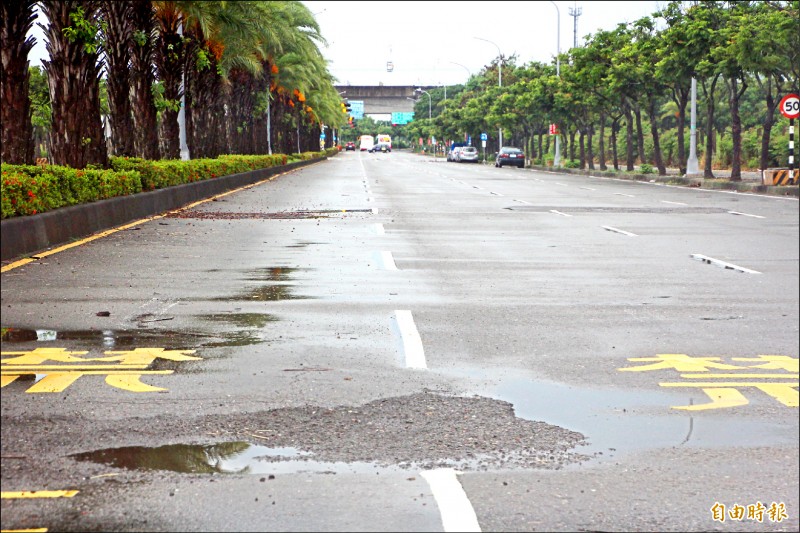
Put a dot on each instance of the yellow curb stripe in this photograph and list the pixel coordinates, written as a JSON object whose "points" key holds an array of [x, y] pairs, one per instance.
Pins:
{"points": [[89, 372], [38, 494], [37, 530], [33, 368]]}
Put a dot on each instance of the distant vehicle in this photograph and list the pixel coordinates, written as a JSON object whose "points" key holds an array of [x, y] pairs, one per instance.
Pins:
{"points": [[350, 146], [385, 139], [468, 154], [366, 142], [452, 155], [453, 146], [508, 155], [381, 147]]}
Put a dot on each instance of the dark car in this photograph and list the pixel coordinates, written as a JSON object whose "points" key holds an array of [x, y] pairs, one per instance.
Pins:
{"points": [[509, 155], [381, 147], [350, 146]]}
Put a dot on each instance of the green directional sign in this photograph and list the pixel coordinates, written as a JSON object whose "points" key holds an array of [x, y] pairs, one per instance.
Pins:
{"points": [[402, 118]]}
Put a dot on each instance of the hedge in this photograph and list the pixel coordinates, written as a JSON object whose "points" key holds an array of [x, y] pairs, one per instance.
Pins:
{"points": [[29, 189]]}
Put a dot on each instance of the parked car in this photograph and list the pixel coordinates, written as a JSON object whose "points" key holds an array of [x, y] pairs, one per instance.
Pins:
{"points": [[452, 155], [508, 155], [350, 146], [468, 154]]}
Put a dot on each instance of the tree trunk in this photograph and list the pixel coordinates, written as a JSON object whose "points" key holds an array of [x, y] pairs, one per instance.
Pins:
{"points": [[119, 38], [769, 119], [652, 111], [629, 138], [709, 153], [145, 115], [582, 153], [639, 134], [734, 96], [602, 142], [680, 95], [169, 66], [15, 104], [589, 150], [614, 131], [73, 76]]}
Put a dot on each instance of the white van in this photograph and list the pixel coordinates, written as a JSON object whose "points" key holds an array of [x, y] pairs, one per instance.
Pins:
{"points": [[366, 142]]}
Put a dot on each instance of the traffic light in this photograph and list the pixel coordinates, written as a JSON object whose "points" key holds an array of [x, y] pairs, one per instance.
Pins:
{"points": [[348, 107]]}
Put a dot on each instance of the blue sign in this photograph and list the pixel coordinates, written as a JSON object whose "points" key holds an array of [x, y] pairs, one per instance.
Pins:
{"points": [[484, 136], [322, 135], [357, 109], [469, 139]]}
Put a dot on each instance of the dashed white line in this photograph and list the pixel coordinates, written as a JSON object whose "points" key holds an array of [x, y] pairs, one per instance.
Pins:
{"points": [[587, 188], [379, 230], [723, 264], [454, 505], [745, 214], [617, 230], [388, 261], [562, 184], [495, 193], [412, 343], [522, 202], [559, 213], [623, 194], [673, 203]]}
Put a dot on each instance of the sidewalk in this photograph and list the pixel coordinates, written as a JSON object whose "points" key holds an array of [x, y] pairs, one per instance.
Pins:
{"points": [[751, 180]]}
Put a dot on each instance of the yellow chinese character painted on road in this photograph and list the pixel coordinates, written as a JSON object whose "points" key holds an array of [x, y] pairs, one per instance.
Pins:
{"points": [[780, 384], [756, 512], [124, 373], [777, 512], [678, 361], [718, 512], [736, 512]]}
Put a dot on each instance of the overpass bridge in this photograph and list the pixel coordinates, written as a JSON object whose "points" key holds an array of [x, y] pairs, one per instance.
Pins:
{"points": [[380, 101]]}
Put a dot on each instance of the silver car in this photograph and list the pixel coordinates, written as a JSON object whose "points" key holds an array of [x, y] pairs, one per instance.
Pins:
{"points": [[452, 155], [468, 154]]}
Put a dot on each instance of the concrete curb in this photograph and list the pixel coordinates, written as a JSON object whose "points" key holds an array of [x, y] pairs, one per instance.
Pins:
{"points": [[26, 235], [723, 184]]}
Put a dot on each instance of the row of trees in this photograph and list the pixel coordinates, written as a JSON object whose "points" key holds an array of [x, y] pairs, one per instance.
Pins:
{"points": [[638, 76], [251, 73]]}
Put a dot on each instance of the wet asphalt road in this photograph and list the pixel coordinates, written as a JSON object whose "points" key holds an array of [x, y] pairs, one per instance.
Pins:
{"points": [[387, 342]]}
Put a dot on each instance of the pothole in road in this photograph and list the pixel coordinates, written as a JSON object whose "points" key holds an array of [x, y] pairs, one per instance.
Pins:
{"points": [[424, 430]]}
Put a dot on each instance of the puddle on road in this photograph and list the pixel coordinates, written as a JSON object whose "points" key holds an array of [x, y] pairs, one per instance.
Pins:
{"points": [[274, 273], [619, 421], [223, 458], [135, 338], [271, 293], [242, 320]]}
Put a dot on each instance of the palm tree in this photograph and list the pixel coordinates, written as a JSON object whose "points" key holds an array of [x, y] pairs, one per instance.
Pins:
{"points": [[169, 67], [17, 138], [117, 46], [73, 73], [142, 79]]}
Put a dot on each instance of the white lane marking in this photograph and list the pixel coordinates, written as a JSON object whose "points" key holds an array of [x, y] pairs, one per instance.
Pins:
{"points": [[723, 264], [495, 193], [745, 214], [476, 187], [454, 505], [674, 203], [623, 194], [522, 202], [559, 213], [374, 211], [412, 343], [562, 184], [379, 229], [388, 260], [587, 188], [617, 230]]}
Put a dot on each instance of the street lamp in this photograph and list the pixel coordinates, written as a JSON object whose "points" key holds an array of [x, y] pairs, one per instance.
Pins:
{"points": [[499, 81], [469, 74], [419, 90], [557, 158]]}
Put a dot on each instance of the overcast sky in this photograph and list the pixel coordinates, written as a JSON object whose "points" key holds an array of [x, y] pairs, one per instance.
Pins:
{"points": [[424, 39], [434, 42]]}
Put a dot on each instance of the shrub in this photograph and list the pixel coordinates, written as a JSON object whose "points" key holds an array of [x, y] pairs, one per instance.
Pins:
{"points": [[645, 168], [572, 163]]}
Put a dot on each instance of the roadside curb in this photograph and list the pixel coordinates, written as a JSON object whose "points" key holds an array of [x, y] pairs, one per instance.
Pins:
{"points": [[702, 183], [25, 235]]}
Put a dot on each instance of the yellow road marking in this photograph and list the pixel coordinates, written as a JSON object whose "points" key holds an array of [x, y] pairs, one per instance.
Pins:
{"points": [[720, 398], [37, 369], [37, 530], [712, 376], [131, 383], [38, 494], [727, 384]]}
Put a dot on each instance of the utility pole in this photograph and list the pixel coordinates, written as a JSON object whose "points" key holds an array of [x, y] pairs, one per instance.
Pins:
{"points": [[575, 13]]}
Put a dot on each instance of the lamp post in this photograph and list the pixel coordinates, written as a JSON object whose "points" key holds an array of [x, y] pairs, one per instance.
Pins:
{"points": [[419, 90], [557, 158], [499, 82], [469, 74]]}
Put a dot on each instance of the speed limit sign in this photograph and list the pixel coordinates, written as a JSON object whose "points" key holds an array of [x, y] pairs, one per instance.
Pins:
{"points": [[790, 106]]}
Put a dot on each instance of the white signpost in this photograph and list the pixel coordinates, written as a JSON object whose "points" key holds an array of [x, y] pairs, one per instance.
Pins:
{"points": [[790, 108]]}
